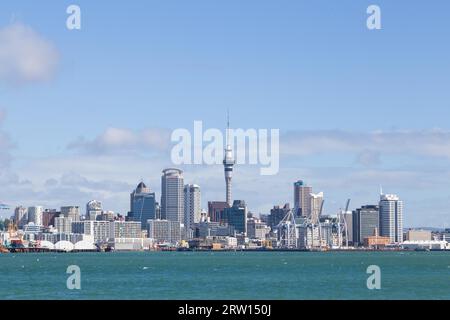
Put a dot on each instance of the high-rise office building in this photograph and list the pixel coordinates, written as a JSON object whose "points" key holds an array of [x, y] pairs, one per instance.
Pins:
{"points": [[192, 205], [172, 195], [94, 209], [216, 211], [20, 216], [236, 216], [142, 205], [48, 217], [316, 201], [35, 215], [63, 224], [348, 220], [302, 196], [277, 214], [72, 212], [365, 223], [391, 217]]}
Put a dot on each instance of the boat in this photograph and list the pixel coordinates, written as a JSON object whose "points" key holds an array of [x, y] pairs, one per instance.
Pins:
{"points": [[3, 249]]}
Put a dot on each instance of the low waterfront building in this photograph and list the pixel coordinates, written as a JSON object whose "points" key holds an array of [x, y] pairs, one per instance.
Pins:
{"points": [[130, 244], [213, 229], [257, 229], [376, 241], [164, 231], [125, 229], [100, 230], [418, 235], [426, 245]]}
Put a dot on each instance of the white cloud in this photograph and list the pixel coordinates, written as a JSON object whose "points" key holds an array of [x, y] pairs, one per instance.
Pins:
{"points": [[5, 144], [125, 140], [25, 56], [431, 143]]}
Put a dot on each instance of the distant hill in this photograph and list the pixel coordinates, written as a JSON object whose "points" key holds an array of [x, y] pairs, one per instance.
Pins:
{"points": [[432, 229]]}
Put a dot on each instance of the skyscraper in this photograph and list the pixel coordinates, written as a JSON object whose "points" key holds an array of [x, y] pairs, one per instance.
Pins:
{"points": [[93, 209], [236, 216], [21, 216], [302, 202], [365, 222], [316, 204], [228, 163], [391, 217], [277, 214], [72, 212], [142, 205], [35, 215], [192, 205], [172, 195], [216, 210]]}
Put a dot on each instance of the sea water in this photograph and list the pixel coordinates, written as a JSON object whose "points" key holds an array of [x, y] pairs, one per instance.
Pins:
{"points": [[226, 275]]}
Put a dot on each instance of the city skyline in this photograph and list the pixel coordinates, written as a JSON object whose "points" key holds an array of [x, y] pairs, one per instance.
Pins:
{"points": [[356, 108]]}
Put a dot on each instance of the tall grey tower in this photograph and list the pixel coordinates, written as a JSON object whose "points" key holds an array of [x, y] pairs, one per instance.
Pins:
{"points": [[228, 163], [391, 217], [172, 196]]}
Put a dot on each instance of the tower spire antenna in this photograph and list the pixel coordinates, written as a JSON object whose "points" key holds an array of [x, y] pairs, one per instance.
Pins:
{"points": [[228, 126]]}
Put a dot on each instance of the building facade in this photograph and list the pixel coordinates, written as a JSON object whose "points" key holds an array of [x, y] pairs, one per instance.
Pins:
{"points": [[63, 224], [216, 211], [94, 209], [35, 215], [302, 202], [365, 223], [277, 214], [142, 205], [20, 216], [164, 231], [391, 217], [72, 212], [172, 195], [100, 230], [236, 216], [125, 229], [192, 205]]}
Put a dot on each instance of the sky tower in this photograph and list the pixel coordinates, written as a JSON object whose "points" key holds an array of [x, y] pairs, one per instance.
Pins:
{"points": [[228, 163]]}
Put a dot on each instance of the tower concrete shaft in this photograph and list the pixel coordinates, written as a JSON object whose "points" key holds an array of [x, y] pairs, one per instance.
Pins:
{"points": [[228, 164]]}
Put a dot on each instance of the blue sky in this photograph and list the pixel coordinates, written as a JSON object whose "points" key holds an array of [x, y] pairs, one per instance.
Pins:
{"points": [[310, 68]]}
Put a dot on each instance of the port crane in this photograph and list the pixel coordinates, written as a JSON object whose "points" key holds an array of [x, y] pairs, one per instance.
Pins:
{"points": [[287, 231], [342, 226]]}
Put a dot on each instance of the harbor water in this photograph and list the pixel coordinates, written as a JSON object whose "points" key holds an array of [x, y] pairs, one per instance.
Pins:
{"points": [[226, 275]]}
